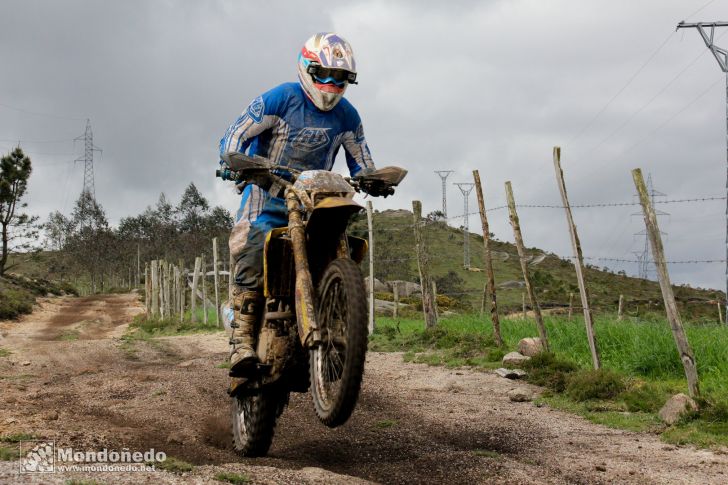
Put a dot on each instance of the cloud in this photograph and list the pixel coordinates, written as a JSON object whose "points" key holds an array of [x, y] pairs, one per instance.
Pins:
{"points": [[488, 85]]}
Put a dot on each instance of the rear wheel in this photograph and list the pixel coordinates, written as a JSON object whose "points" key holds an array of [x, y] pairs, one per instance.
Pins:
{"points": [[254, 421], [337, 365]]}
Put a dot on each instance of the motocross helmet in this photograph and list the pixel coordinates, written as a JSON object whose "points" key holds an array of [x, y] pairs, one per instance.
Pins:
{"points": [[325, 67]]}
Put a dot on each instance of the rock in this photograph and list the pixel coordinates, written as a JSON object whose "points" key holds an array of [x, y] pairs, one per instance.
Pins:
{"points": [[10, 421], [378, 285], [386, 307], [510, 373], [187, 363], [514, 358], [530, 346], [26, 363], [520, 394], [512, 284], [404, 288], [676, 407]]}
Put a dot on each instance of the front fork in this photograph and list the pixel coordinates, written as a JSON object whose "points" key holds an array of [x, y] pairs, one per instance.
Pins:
{"points": [[308, 329]]}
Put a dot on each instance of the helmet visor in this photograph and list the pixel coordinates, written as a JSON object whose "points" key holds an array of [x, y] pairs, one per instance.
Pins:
{"points": [[327, 75]]}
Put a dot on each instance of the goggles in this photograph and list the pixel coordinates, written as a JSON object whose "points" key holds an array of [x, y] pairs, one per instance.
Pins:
{"points": [[327, 75]]}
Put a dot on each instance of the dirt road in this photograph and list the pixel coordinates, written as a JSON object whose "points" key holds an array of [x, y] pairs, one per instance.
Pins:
{"points": [[71, 378]]}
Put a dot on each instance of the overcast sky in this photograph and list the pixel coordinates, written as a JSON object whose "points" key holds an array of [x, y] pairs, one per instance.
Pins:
{"points": [[492, 85]]}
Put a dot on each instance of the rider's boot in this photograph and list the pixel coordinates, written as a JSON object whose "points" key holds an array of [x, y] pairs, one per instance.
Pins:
{"points": [[248, 306]]}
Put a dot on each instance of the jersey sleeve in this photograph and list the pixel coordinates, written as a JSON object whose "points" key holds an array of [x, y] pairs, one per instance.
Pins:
{"points": [[358, 156], [261, 114]]}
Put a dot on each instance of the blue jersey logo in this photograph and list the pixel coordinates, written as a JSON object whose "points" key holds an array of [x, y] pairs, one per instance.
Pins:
{"points": [[255, 110], [311, 138]]}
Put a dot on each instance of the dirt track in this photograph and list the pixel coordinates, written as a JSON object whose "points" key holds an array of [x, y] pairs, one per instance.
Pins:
{"points": [[414, 424]]}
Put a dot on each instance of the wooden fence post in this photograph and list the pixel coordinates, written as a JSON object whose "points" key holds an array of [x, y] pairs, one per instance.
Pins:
{"points": [[658, 253], [193, 293], [370, 225], [620, 309], [524, 266], [490, 285], [231, 276], [434, 299], [182, 289], [203, 265], [578, 262], [523, 305], [571, 305], [167, 289], [395, 290], [155, 288], [216, 276], [147, 290], [720, 315], [139, 266], [428, 305]]}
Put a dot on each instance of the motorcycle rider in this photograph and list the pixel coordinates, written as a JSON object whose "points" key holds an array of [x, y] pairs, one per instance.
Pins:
{"points": [[300, 125]]}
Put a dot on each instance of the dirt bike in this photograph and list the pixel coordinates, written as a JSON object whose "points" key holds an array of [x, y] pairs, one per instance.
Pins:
{"points": [[313, 330]]}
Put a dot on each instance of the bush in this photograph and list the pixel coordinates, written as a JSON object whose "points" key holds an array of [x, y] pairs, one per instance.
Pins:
{"points": [[594, 384], [643, 397], [14, 302], [549, 371]]}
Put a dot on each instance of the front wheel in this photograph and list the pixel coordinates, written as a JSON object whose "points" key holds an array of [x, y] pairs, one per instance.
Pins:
{"points": [[337, 364], [254, 421]]}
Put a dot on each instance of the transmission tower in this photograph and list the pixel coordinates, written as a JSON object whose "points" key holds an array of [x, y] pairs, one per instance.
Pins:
{"points": [[466, 188], [88, 160], [644, 263], [444, 174], [721, 55]]}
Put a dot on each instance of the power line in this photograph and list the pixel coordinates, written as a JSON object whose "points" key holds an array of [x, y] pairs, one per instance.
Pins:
{"points": [[38, 113]]}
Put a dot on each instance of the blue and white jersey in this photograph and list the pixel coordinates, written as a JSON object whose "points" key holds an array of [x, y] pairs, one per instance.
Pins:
{"points": [[285, 127]]}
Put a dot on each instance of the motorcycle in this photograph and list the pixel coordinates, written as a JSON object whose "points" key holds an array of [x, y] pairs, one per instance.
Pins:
{"points": [[313, 330]]}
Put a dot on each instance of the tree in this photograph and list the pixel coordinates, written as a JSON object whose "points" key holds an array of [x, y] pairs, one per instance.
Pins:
{"points": [[91, 243], [19, 230]]}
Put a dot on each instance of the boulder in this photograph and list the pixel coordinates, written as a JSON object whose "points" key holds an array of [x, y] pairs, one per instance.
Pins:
{"points": [[520, 394], [512, 284], [378, 285], [530, 346], [386, 307], [510, 373], [514, 358], [405, 288], [676, 407]]}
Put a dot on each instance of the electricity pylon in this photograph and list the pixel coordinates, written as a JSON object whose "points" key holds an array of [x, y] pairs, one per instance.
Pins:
{"points": [[643, 257], [466, 188], [721, 55], [444, 174], [88, 160]]}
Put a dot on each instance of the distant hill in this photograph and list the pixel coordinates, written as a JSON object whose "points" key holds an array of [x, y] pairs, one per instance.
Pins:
{"points": [[554, 277]]}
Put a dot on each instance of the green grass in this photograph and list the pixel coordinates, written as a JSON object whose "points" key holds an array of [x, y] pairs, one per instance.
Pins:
{"points": [[385, 423], [4, 352], [9, 453], [641, 367], [16, 437], [173, 465], [143, 328], [234, 478], [69, 335], [82, 482]]}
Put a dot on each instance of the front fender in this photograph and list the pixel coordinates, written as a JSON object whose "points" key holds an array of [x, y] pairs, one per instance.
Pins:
{"points": [[331, 216]]}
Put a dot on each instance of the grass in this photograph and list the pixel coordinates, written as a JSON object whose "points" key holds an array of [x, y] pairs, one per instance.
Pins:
{"points": [[173, 465], [69, 335], [385, 423], [234, 478], [143, 328], [16, 437], [8, 453], [4, 352], [641, 367]]}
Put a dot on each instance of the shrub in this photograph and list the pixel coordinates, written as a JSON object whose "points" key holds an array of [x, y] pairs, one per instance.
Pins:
{"points": [[643, 397], [594, 384], [549, 371]]}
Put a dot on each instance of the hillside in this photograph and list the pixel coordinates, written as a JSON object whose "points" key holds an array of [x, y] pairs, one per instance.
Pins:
{"points": [[554, 277]]}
